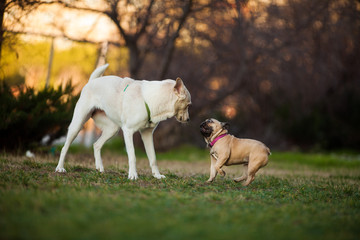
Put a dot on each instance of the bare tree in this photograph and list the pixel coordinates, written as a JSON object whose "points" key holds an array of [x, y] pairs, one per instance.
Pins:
{"points": [[15, 9], [2, 12], [147, 27], [281, 68]]}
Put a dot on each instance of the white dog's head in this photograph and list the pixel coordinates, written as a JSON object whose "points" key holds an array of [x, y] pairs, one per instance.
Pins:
{"points": [[183, 101]]}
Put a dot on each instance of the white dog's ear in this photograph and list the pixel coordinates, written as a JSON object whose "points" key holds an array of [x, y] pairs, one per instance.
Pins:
{"points": [[179, 86], [225, 125]]}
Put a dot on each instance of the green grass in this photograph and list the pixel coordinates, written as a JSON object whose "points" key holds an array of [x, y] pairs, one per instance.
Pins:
{"points": [[117, 146], [320, 160], [36, 203], [191, 153]]}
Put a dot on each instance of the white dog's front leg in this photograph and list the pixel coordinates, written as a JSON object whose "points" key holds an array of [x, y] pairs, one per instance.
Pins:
{"points": [[129, 144], [147, 137]]}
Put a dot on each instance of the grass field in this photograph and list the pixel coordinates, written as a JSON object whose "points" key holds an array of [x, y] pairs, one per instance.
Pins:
{"points": [[297, 196]]}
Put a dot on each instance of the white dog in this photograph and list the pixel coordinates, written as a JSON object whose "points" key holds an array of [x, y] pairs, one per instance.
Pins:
{"points": [[131, 105]]}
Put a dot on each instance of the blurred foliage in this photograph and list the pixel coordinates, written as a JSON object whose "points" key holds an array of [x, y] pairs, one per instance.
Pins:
{"points": [[284, 73], [19, 56], [331, 124], [22, 56], [27, 116]]}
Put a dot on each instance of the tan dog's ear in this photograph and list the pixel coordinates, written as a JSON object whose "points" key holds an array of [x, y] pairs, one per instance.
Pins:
{"points": [[178, 88], [225, 125]]}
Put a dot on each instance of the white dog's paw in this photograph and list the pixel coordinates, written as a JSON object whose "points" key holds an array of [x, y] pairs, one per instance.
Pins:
{"points": [[100, 168], [60, 170], [133, 176], [158, 176]]}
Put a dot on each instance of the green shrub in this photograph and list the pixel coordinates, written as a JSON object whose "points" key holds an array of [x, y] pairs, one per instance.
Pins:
{"points": [[332, 123], [26, 117]]}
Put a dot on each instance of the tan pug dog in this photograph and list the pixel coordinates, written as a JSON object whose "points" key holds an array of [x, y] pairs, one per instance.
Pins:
{"points": [[227, 150]]}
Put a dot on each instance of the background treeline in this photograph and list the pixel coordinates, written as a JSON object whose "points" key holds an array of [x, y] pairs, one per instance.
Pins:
{"points": [[287, 74]]}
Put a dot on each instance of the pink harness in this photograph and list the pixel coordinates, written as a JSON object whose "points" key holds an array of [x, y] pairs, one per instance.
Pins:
{"points": [[217, 139]]}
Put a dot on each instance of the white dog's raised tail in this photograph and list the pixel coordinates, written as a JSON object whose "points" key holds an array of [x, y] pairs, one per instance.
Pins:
{"points": [[98, 72]]}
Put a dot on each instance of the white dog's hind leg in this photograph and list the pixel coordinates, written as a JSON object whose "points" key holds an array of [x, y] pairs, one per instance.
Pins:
{"points": [[147, 137], [109, 129], [81, 115], [129, 144]]}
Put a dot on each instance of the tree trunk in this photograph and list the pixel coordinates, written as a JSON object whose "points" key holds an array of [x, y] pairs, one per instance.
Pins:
{"points": [[170, 48], [51, 57], [134, 60], [2, 12]]}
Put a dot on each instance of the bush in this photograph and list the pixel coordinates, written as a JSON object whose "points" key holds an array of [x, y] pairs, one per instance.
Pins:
{"points": [[27, 116], [331, 124]]}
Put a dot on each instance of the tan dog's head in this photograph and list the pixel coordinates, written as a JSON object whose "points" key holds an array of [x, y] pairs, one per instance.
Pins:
{"points": [[183, 102], [212, 127]]}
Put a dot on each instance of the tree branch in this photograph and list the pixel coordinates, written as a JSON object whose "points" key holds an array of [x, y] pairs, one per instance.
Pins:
{"points": [[171, 44], [70, 6], [83, 40], [146, 20]]}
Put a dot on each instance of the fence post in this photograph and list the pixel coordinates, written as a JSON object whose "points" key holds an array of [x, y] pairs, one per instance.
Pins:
{"points": [[51, 56]]}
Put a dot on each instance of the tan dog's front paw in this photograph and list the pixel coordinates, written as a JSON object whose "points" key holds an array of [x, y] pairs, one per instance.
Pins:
{"points": [[210, 180], [240, 179], [222, 172]]}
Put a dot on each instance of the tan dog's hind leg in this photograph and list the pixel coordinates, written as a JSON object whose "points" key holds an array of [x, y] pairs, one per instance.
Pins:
{"points": [[254, 165], [252, 169], [213, 171], [244, 176]]}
